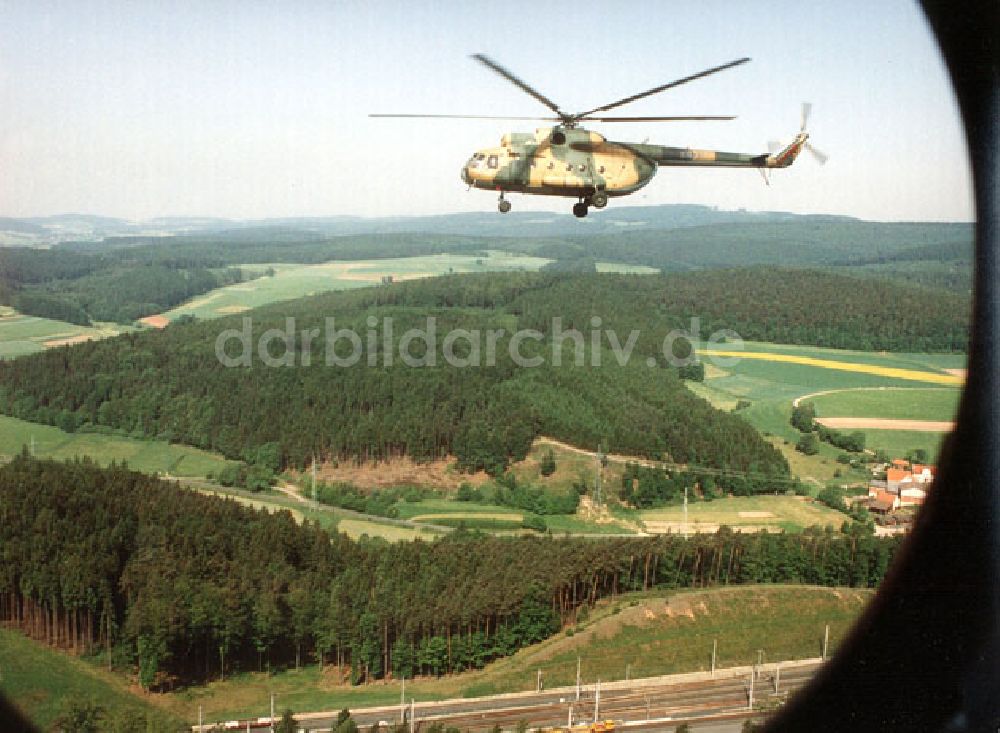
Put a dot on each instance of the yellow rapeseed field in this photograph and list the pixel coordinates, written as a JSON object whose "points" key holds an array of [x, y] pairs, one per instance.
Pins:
{"points": [[895, 372]]}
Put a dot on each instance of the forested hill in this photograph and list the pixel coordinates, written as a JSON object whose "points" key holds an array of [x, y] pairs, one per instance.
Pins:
{"points": [[195, 587], [171, 384]]}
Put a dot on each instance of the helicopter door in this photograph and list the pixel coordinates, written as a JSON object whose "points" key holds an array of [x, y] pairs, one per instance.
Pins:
{"points": [[515, 170]]}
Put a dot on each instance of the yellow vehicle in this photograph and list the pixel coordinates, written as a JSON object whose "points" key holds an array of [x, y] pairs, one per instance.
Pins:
{"points": [[603, 726]]}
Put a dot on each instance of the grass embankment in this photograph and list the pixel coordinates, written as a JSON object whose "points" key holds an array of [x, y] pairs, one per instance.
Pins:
{"points": [[654, 633], [40, 682]]}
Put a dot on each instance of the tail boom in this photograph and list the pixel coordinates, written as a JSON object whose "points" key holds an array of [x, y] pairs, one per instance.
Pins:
{"points": [[667, 156]]}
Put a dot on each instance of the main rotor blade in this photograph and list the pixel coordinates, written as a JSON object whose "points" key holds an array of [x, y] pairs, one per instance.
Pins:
{"points": [[494, 66], [468, 117], [657, 119], [664, 87]]}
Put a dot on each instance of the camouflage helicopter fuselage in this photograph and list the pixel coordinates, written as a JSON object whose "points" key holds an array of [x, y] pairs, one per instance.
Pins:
{"points": [[574, 162]]}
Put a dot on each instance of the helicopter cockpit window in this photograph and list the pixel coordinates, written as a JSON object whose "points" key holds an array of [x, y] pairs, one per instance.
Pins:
{"points": [[492, 162]]}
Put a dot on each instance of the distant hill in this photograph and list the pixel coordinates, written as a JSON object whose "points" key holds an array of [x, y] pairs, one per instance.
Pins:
{"points": [[669, 238], [487, 223], [673, 238]]}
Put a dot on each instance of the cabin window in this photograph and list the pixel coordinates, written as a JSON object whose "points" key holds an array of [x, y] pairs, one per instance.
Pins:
{"points": [[569, 166], [582, 167], [601, 169], [551, 165], [480, 156], [492, 162]]}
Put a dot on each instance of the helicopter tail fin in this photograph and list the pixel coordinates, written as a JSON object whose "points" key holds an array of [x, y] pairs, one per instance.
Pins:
{"points": [[787, 155]]}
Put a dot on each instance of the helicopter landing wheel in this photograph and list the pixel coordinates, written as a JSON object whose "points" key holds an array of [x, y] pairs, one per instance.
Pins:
{"points": [[599, 200], [503, 206], [580, 210]]}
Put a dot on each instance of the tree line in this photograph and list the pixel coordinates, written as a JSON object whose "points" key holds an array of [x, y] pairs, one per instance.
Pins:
{"points": [[184, 587], [646, 487]]}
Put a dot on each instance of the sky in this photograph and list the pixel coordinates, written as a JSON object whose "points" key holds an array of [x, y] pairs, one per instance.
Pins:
{"points": [[255, 109]]}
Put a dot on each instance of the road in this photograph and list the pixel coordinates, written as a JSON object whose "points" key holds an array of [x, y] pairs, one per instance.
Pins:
{"points": [[710, 705]]}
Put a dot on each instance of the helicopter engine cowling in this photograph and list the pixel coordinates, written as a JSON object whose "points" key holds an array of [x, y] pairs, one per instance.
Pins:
{"points": [[514, 139]]}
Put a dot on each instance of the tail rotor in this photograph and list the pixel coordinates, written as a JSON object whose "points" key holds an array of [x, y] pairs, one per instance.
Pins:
{"points": [[819, 155], [783, 154]]}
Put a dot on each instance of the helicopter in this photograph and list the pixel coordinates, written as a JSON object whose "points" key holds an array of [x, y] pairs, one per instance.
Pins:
{"points": [[567, 160]]}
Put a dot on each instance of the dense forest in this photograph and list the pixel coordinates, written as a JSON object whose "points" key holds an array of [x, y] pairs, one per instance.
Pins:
{"points": [[185, 587], [170, 384], [78, 288]]}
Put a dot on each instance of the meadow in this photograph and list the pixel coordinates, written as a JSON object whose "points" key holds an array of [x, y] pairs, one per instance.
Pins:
{"points": [[150, 456], [789, 513], [332, 519], [291, 281], [901, 403]]}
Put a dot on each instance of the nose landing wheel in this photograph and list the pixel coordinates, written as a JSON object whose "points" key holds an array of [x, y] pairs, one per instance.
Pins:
{"points": [[504, 205], [580, 210]]}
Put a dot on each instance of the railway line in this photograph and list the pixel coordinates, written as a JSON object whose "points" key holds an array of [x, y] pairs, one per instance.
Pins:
{"points": [[652, 704]]}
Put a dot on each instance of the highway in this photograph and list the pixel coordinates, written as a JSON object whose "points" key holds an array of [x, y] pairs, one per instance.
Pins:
{"points": [[711, 705]]}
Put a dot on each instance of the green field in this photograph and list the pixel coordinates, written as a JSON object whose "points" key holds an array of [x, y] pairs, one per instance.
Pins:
{"points": [[41, 682], [771, 386], [330, 518], [295, 281], [899, 442], [654, 633], [790, 513], [150, 456], [20, 334], [490, 517], [916, 403]]}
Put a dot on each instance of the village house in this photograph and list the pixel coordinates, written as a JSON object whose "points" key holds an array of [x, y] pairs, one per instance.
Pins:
{"points": [[904, 486], [882, 502]]}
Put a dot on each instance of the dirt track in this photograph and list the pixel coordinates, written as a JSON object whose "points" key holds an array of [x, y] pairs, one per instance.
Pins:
{"points": [[881, 423]]}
